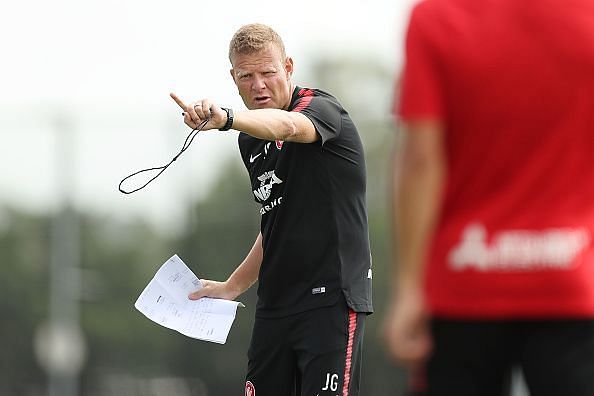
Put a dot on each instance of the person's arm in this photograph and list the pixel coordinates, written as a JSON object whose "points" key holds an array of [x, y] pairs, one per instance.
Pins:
{"points": [[244, 276], [267, 124], [419, 172], [273, 124], [417, 192]]}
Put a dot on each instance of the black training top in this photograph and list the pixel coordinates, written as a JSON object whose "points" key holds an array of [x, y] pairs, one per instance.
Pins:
{"points": [[314, 216]]}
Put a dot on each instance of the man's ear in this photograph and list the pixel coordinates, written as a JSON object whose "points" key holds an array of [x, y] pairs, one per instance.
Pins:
{"points": [[233, 75], [289, 66]]}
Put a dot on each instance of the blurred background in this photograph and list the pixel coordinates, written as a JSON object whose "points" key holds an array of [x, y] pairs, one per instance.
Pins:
{"points": [[84, 101]]}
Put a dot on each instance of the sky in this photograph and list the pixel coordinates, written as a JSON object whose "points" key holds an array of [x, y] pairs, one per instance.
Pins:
{"points": [[84, 91]]}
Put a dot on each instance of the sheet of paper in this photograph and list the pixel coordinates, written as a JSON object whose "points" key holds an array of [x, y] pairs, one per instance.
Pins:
{"points": [[165, 301]]}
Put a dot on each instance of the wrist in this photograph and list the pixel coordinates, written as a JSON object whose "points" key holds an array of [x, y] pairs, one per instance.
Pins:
{"points": [[233, 288], [229, 122]]}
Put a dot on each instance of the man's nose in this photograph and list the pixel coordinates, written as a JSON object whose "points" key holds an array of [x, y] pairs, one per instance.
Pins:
{"points": [[258, 83]]}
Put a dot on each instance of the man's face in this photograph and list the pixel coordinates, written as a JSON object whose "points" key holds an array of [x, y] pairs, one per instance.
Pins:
{"points": [[263, 79]]}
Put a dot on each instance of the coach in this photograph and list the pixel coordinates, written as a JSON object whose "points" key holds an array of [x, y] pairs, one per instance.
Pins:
{"points": [[312, 258]]}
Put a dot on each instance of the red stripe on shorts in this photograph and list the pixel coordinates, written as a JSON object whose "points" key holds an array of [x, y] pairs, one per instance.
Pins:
{"points": [[349, 352]]}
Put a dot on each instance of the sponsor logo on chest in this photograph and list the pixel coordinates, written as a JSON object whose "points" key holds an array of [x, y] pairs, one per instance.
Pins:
{"points": [[267, 181]]}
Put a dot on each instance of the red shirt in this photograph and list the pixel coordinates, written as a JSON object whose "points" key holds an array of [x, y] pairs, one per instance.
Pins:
{"points": [[513, 83]]}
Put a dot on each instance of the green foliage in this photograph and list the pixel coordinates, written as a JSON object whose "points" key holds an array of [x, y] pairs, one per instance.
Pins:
{"points": [[23, 288]]}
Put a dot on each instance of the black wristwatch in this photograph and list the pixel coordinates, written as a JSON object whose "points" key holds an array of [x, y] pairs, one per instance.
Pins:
{"points": [[229, 122]]}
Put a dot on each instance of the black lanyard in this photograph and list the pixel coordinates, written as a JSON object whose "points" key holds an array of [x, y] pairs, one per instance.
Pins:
{"points": [[161, 169]]}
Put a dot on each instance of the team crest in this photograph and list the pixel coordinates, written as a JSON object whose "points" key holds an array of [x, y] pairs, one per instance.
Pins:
{"points": [[250, 389], [279, 144]]}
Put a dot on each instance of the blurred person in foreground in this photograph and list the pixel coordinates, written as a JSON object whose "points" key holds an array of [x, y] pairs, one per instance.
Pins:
{"points": [[494, 198], [312, 258]]}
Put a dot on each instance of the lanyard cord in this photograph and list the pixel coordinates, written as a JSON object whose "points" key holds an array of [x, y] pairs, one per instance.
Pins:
{"points": [[187, 143]]}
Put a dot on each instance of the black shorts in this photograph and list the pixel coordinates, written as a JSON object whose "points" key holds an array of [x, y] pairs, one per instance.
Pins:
{"points": [[312, 353], [472, 358]]}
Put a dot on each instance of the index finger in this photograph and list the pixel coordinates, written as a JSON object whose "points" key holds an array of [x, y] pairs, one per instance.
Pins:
{"points": [[179, 102]]}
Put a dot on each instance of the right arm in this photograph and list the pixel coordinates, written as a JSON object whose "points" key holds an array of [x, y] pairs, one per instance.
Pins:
{"points": [[244, 276], [419, 172], [267, 124]]}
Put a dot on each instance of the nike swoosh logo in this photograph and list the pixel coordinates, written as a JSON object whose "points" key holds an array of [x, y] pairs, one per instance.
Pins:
{"points": [[253, 157]]}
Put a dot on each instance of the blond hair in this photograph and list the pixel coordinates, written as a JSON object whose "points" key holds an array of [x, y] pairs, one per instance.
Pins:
{"points": [[253, 38]]}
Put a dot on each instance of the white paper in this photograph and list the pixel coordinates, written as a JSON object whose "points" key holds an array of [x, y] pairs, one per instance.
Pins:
{"points": [[165, 301]]}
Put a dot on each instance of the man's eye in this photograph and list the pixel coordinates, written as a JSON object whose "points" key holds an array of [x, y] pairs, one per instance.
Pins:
{"points": [[269, 73], [245, 76]]}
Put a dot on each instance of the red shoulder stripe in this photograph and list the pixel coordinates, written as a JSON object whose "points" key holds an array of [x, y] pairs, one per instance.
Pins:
{"points": [[306, 96]]}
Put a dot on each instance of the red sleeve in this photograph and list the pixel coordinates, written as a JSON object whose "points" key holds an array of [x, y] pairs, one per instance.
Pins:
{"points": [[421, 89]]}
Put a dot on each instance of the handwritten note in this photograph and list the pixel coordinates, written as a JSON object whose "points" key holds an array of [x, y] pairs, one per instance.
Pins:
{"points": [[165, 301]]}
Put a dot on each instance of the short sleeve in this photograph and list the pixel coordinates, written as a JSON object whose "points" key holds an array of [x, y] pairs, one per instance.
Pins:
{"points": [[421, 89], [324, 112]]}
